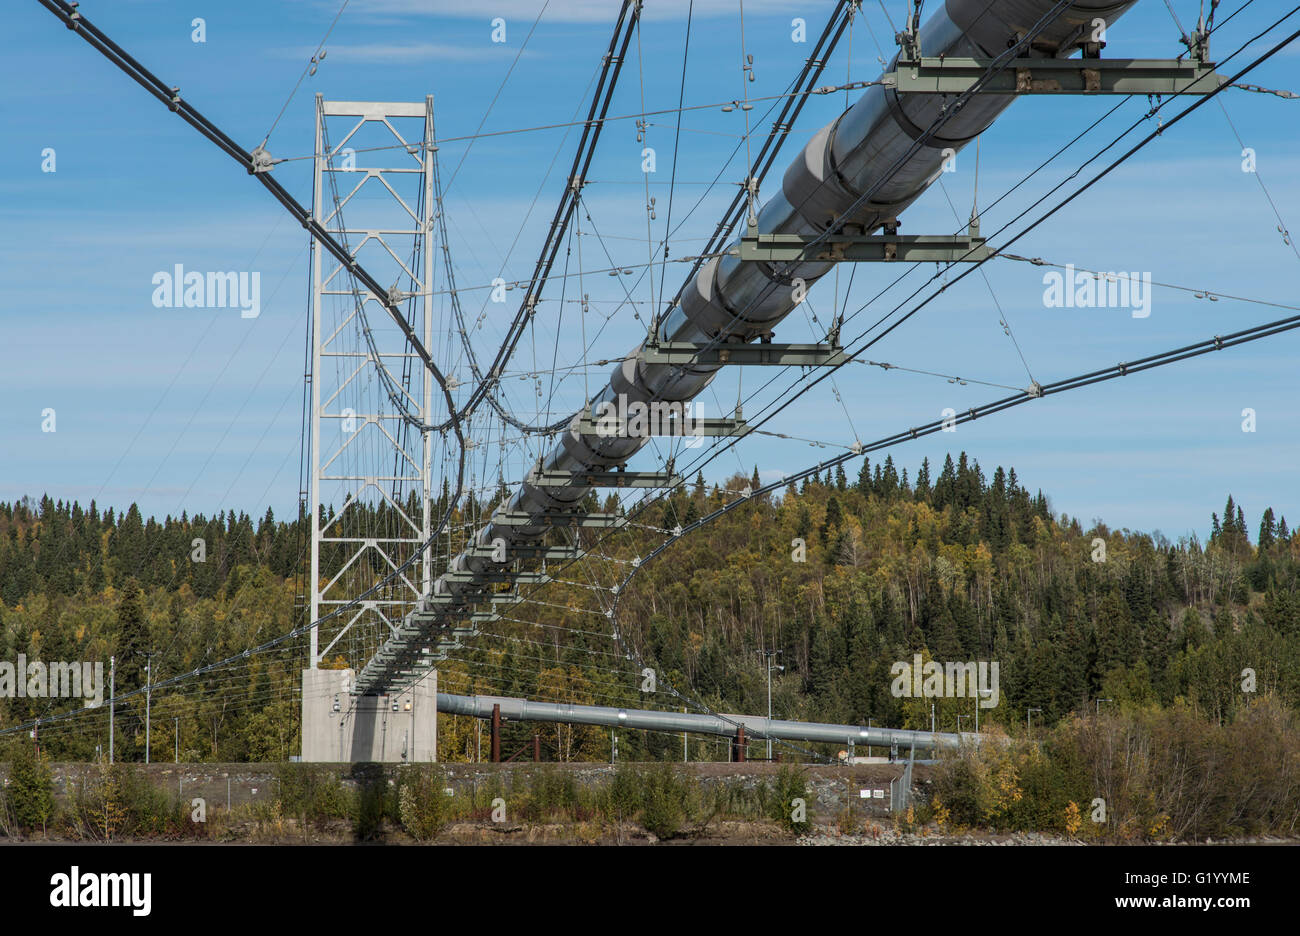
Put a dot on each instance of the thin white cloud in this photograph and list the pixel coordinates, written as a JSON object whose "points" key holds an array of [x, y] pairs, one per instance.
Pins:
{"points": [[572, 11], [387, 53]]}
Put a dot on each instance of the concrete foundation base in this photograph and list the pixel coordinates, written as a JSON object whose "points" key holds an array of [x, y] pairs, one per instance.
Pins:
{"points": [[339, 727]]}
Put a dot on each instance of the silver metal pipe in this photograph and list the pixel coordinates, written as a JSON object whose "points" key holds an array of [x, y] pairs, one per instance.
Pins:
{"points": [[756, 726]]}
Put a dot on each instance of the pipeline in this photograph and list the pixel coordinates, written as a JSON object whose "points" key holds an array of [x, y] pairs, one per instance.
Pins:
{"points": [[733, 300], [756, 726]]}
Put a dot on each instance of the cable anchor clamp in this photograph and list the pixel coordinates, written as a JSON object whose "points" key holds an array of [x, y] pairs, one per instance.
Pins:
{"points": [[260, 159]]}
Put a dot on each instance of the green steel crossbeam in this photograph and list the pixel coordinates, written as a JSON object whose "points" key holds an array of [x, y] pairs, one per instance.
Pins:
{"points": [[433, 601], [610, 479], [519, 518], [956, 75], [833, 248], [522, 551], [768, 353], [475, 578], [472, 590], [445, 601], [670, 428], [418, 663]]}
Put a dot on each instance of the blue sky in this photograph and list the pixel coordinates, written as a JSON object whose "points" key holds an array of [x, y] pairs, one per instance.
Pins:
{"points": [[199, 409]]}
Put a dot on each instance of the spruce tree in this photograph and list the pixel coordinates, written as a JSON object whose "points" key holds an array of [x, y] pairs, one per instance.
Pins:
{"points": [[1267, 531]]}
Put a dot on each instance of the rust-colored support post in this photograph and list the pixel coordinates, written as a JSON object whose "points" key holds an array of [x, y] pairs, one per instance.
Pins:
{"points": [[738, 746], [496, 734], [537, 749]]}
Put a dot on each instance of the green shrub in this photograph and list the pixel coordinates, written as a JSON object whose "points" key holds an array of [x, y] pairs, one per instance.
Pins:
{"points": [[665, 800], [788, 787], [119, 802], [313, 794], [29, 798], [552, 792], [422, 803], [622, 795]]}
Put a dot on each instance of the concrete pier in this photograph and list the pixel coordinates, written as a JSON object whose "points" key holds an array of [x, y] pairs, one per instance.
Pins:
{"points": [[338, 727]]}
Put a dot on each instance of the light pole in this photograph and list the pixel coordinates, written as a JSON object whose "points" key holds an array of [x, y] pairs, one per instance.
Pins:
{"points": [[1029, 719], [148, 699], [112, 687], [768, 727]]}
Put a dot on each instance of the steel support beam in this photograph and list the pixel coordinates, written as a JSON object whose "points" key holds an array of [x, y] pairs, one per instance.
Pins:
{"points": [[559, 518], [701, 426], [837, 248], [760, 353], [957, 74], [608, 479], [525, 551]]}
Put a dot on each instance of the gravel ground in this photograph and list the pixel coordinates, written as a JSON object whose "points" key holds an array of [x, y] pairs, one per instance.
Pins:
{"points": [[886, 836]]}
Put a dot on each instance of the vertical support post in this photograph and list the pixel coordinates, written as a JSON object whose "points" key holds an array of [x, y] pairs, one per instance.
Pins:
{"points": [[537, 749], [148, 700], [496, 734], [177, 731], [112, 695], [313, 586], [905, 784], [426, 158], [767, 729], [738, 746]]}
